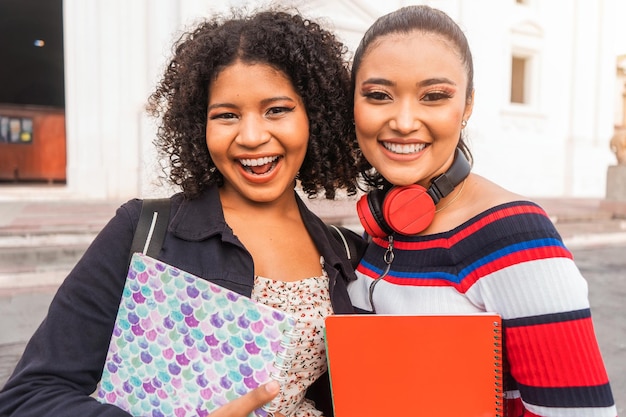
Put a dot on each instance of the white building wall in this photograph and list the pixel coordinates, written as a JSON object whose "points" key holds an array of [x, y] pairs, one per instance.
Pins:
{"points": [[556, 146]]}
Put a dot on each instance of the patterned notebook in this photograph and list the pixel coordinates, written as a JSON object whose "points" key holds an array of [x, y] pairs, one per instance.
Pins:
{"points": [[183, 346]]}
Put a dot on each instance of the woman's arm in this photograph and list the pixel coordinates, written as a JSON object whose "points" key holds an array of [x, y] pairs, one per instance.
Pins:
{"points": [[550, 344], [62, 363]]}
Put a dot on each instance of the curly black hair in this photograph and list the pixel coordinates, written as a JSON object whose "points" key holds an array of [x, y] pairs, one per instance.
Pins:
{"points": [[312, 58]]}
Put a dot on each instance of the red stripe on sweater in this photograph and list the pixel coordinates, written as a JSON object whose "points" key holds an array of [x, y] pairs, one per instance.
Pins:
{"points": [[559, 350], [466, 231], [526, 255]]}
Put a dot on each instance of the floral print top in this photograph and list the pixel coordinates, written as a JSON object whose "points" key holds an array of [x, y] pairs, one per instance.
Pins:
{"points": [[308, 300]]}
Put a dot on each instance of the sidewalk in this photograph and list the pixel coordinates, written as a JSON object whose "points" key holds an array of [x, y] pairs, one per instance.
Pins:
{"points": [[21, 220], [41, 240], [586, 221]]}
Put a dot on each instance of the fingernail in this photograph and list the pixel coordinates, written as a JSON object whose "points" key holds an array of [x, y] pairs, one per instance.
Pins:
{"points": [[272, 387]]}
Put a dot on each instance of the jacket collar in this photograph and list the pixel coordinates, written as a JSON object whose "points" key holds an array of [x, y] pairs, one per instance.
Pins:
{"points": [[201, 218]]}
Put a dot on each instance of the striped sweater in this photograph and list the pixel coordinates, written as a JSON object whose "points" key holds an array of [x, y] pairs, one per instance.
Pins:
{"points": [[509, 260]]}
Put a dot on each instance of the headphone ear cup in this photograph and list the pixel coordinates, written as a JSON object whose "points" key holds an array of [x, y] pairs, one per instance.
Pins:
{"points": [[369, 209], [408, 210]]}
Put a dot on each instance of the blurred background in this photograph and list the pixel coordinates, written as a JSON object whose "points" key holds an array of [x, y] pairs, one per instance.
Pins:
{"points": [[75, 140], [75, 76]]}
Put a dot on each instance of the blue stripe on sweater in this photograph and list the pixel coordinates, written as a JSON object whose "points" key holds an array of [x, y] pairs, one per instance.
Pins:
{"points": [[508, 250], [458, 278]]}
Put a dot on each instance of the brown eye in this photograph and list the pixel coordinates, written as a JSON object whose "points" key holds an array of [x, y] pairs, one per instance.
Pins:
{"points": [[223, 116], [436, 95], [376, 95], [279, 110]]}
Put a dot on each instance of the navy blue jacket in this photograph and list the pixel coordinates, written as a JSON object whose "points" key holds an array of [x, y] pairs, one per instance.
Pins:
{"points": [[63, 361]]}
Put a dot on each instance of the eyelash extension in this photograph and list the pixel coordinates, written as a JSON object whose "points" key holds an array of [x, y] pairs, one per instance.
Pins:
{"points": [[221, 116], [436, 95], [284, 108], [376, 95]]}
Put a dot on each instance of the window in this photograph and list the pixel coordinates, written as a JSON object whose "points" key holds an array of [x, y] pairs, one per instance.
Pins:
{"points": [[524, 62], [519, 80], [31, 53]]}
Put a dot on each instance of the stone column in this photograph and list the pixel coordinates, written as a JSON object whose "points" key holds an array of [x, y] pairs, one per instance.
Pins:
{"points": [[615, 201]]}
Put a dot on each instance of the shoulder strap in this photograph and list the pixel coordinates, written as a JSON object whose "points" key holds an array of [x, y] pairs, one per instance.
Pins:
{"points": [[153, 221], [353, 243], [155, 215]]}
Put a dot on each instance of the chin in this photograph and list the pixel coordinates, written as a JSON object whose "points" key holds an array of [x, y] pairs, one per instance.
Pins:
{"points": [[401, 181]]}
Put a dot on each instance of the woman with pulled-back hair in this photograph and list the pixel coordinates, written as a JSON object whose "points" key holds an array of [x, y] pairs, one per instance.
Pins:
{"points": [[445, 240]]}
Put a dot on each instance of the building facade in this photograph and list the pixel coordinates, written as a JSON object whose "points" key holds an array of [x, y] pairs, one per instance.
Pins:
{"points": [[544, 109]]}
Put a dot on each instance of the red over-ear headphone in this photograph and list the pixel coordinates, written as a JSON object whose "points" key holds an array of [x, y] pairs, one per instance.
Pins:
{"points": [[409, 209]]}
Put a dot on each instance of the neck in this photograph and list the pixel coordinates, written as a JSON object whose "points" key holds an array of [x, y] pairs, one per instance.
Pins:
{"points": [[234, 202], [451, 198]]}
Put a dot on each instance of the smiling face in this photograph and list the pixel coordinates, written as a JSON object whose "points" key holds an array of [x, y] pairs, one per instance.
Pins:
{"points": [[257, 132], [409, 103]]}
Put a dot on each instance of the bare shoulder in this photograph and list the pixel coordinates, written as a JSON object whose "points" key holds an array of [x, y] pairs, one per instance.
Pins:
{"points": [[477, 196], [483, 194]]}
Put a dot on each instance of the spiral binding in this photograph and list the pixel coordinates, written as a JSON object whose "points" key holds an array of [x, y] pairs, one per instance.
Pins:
{"points": [[282, 365], [497, 337]]}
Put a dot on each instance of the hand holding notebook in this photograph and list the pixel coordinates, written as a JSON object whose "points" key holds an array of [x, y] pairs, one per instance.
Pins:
{"points": [[183, 346]]}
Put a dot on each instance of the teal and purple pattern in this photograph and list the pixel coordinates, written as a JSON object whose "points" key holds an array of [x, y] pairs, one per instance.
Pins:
{"points": [[182, 346]]}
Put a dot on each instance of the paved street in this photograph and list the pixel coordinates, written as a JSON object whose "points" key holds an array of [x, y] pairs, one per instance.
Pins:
{"points": [[20, 314], [604, 268]]}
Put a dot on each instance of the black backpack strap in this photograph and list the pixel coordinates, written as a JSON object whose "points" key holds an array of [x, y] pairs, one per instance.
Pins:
{"points": [[354, 244], [153, 221], [155, 215]]}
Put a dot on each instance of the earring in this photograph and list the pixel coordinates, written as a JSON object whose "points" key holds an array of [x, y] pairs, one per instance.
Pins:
{"points": [[464, 123]]}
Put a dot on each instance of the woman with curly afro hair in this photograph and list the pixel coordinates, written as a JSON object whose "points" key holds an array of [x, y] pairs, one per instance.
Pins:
{"points": [[309, 56], [251, 106]]}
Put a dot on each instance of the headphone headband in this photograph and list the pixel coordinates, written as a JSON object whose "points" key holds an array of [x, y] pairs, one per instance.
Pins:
{"points": [[445, 183]]}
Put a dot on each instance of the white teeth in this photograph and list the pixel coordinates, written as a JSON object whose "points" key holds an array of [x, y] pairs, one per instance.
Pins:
{"points": [[258, 162], [404, 148]]}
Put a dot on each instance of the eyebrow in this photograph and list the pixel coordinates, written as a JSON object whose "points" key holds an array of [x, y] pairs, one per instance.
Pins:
{"points": [[379, 81], [424, 83], [433, 81], [264, 102]]}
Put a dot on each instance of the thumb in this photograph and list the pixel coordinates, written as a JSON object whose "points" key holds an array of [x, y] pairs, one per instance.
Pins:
{"points": [[249, 402]]}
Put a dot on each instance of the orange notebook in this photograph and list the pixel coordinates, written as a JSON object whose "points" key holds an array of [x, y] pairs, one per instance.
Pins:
{"points": [[419, 366]]}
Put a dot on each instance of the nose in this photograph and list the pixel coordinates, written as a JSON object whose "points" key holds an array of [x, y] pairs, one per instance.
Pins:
{"points": [[405, 118], [253, 132]]}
